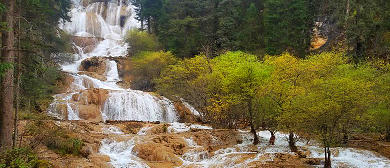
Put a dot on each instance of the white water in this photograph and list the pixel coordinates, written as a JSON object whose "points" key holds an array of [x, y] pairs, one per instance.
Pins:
{"points": [[104, 21], [120, 152], [139, 106], [198, 156], [108, 22], [176, 127]]}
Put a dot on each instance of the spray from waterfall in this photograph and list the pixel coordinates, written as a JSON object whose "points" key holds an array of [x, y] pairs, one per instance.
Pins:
{"points": [[108, 23]]}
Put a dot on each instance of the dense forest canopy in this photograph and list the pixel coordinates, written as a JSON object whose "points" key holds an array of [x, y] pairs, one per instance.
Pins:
{"points": [[238, 62], [190, 27]]}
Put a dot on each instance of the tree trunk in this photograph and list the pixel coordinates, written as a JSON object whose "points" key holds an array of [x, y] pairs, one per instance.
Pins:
{"points": [[272, 139], [327, 158], [255, 138], [291, 142], [253, 130], [387, 136], [142, 24], [6, 102], [149, 28], [17, 88]]}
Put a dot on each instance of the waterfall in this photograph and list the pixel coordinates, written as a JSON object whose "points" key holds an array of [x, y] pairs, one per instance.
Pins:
{"points": [[105, 22]]}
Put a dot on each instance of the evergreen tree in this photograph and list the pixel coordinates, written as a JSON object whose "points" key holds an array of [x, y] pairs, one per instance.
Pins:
{"points": [[288, 26]]}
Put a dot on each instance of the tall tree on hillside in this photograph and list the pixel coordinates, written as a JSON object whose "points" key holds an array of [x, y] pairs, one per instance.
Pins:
{"points": [[251, 35], [6, 93], [139, 4], [288, 26], [40, 42]]}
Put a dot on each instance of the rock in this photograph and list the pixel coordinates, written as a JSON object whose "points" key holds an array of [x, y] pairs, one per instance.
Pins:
{"points": [[312, 161], [159, 129], [100, 160], [89, 103], [156, 153], [98, 65], [86, 151], [94, 75], [177, 144], [90, 112], [85, 41]]}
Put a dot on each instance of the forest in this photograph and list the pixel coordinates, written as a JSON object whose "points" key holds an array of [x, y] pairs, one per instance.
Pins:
{"points": [[254, 63]]}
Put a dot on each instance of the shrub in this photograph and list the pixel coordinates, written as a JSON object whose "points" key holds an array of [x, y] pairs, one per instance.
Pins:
{"points": [[147, 66], [140, 41], [21, 157], [55, 138]]}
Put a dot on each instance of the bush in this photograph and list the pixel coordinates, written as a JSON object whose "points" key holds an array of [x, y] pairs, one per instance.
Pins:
{"points": [[140, 41], [65, 146], [21, 157], [147, 66], [55, 138]]}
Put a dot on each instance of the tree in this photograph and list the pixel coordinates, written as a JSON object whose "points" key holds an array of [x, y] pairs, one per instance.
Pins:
{"points": [[237, 77], [187, 79], [288, 26], [379, 113], [333, 104], [146, 67], [6, 93], [140, 41], [250, 35]]}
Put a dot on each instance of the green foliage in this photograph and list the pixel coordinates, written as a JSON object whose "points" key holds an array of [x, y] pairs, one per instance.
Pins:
{"points": [[379, 112], [2, 8], [288, 26], [236, 78], [188, 28], [54, 137], [332, 100], [21, 158], [4, 67], [26, 115], [147, 66], [140, 41], [186, 79], [63, 147], [40, 42], [38, 85]]}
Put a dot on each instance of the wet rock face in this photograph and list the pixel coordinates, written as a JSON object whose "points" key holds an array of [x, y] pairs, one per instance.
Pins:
{"points": [[88, 44], [95, 67], [94, 64], [156, 152], [89, 103]]}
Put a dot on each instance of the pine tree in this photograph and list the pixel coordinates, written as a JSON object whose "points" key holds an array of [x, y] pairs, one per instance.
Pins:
{"points": [[7, 80]]}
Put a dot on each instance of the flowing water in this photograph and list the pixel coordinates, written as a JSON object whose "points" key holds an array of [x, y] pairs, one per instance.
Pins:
{"points": [[109, 21]]}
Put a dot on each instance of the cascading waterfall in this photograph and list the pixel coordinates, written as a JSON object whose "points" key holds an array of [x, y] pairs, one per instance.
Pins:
{"points": [[107, 21]]}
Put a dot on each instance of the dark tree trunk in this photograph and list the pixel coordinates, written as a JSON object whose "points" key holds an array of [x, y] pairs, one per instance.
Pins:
{"points": [[17, 87], [6, 102], [387, 136], [142, 24], [253, 130], [272, 139], [291, 142], [327, 158], [149, 24], [255, 138]]}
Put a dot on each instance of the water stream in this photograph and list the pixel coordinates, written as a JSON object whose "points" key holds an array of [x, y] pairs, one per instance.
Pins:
{"points": [[109, 23]]}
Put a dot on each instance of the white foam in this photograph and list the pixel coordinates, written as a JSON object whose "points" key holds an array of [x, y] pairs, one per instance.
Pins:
{"points": [[120, 153], [109, 129], [138, 106], [191, 108], [176, 127]]}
